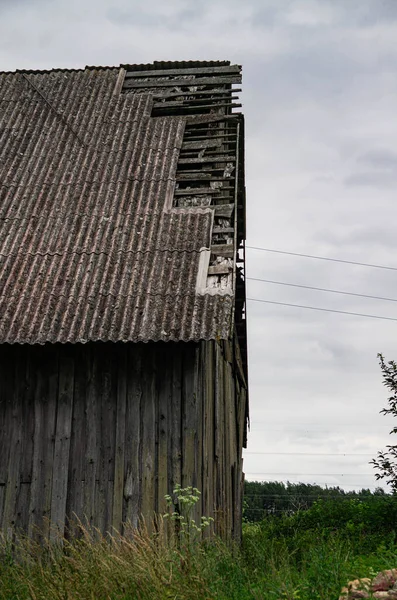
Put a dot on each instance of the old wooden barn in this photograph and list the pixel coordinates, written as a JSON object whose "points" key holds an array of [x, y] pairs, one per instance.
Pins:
{"points": [[123, 361]]}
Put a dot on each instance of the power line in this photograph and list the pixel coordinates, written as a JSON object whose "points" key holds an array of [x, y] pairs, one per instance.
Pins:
{"points": [[331, 484], [342, 312], [309, 287], [314, 496], [348, 262], [310, 453], [314, 474]]}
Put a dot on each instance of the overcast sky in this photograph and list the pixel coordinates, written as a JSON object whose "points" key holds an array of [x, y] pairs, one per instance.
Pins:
{"points": [[320, 98]]}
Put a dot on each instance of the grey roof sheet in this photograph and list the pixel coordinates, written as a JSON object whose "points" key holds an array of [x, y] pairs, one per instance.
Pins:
{"points": [[87, 250]]}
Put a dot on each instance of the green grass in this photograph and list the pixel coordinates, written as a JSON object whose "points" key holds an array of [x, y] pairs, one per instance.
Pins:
{"points": [[280, 558]]}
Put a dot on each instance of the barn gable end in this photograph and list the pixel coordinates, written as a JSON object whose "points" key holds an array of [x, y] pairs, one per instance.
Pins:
{"points": [[122, 227]]}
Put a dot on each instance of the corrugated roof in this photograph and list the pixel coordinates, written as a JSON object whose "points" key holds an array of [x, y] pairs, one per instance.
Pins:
{"points": [[90, 247]]}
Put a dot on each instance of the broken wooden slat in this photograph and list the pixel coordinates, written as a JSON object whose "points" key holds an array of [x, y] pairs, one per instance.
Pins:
{"points": [[191, 81], [208, 143], [167, 105], [224, 210], [62, 445], [119, 459], [226, 250], [185, 100], [223, 230], [220, 92], [219, 270], [189, 71], [224, 158], [194, 191], [204, 177]]}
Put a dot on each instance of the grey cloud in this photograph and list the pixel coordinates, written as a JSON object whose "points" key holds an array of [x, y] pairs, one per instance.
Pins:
{"points": [[376, 179], [379, 158]]}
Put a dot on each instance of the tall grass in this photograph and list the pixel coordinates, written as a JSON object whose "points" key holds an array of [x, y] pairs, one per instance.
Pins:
{"points": [[280, 559]]}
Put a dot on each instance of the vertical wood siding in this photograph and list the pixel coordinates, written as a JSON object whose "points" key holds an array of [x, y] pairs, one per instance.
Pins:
{"points": [[104, 431]]}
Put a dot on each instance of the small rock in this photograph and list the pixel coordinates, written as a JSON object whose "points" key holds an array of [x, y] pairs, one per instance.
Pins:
{"points": [[381, 595], [384, 580]]}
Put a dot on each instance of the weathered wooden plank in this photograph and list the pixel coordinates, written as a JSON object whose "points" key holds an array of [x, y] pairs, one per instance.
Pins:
{"points": [[14, 455], [219, 92], [44, 364], [120, 81], [219, 270], [110, 361], [62, 442], [199, 441], [185, 71], [210, 426], [164, 383], [78, 441], [223, 230], [132, 485], [2, 495], [208, 143], [202, 119], [189, 417], [226, 250], [149, 435], [186, 101], [92, 434], [222, 158], [119, 459], [197, 191], [193, 107], [175, 451], [6, 394], [218, 442], [28, 421], [187, 82]]}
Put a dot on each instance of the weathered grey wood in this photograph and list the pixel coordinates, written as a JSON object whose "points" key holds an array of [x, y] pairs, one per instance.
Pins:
{"points": [[62, 444], [222, 158], [219, 270], [119, 462], [44, 365], [92, 442], [185, 100], [223, 230], [138, 418], [208, 143], [120, 81], [185, 71], [14, 455], [164, 384], [6, 393], [78, 442], [149, 434], [193, 107], [190, 81], [133, 483], [211, 92], [226, 250], [189, 417], [175, 470]]}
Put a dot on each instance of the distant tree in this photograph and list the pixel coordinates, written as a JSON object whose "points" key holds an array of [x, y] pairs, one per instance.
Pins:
{"points": [[386, 462]]}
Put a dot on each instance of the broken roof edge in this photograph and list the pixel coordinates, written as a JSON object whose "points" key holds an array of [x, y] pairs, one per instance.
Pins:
{"points": [[153, 66]]}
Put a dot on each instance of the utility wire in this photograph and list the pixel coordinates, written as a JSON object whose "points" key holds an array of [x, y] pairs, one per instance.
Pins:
{"points": [[309, 287], [348, 262], [314, 474], [342, 312], [333, 484], [311, 453]]}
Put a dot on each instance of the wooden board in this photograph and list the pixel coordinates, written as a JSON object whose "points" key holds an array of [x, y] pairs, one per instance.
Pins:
{"points": [[186, 71], [130, 83]]}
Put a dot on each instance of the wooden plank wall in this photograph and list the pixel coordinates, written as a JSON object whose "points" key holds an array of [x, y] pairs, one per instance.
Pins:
{"points": [[103, 431]]}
